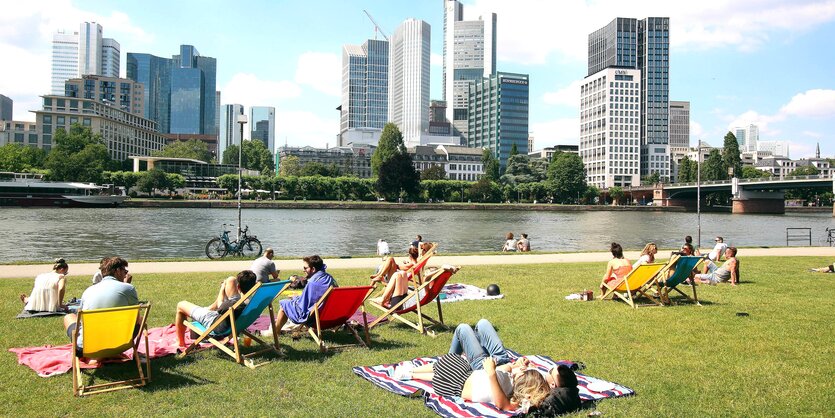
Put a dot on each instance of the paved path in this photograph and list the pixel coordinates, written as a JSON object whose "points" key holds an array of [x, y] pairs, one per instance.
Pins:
{"points": [[87, 269]]}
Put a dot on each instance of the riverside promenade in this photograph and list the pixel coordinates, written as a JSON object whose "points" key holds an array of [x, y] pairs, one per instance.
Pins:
{"points": [[288, 266]]}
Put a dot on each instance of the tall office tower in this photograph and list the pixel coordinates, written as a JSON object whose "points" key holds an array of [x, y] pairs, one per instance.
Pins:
{"points": [[409, 79], [498, 114], [83, 52], [610, 121], [262, 125], [365, 89], [679, 125], [217, 113], [752, 135], [469, 56], [155, 74], [110, 57], [230, 130], [193, 92], [739, 133], [123, 93], [6, 107], [642, 45], [64, 59]]}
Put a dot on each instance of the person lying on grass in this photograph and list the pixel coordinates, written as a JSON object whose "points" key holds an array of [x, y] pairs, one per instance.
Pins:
{"points": [[207, 316], [828, 269], [297, 309], [483, 374], [564, 396]]}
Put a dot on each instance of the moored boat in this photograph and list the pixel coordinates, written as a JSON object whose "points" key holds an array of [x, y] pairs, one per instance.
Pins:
{"points": [[25, 189]]}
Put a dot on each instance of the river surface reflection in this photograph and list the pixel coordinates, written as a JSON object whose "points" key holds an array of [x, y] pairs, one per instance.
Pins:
{"points": [[45, 233]]}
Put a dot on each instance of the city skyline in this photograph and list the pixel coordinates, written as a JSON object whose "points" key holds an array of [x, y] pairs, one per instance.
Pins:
{"points": [[749, 62]]}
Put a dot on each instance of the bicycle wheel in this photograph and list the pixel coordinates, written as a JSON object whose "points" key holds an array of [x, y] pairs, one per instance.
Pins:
{"points": [[251, 248], [215, 249]]}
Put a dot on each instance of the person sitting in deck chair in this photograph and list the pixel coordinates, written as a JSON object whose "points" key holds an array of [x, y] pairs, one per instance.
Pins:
{"points": [[617, 268], [297, 309], [244, 282]]}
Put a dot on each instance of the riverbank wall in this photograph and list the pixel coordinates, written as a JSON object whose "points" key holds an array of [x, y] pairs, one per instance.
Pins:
{"points": [[142, 203]]}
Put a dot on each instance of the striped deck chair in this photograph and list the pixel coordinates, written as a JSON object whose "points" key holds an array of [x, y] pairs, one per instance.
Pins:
{"points": [[417, 268], [683, 267], [634, 284], [109, 332], [260, 297], [425, 292], [334, 309]]}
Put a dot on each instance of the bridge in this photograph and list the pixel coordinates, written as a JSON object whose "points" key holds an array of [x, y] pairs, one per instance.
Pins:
{"points": [[757, 195]]}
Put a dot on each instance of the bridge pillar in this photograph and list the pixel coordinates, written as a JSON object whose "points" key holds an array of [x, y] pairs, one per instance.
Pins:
{"points": [[746, 201], [660, 197]]}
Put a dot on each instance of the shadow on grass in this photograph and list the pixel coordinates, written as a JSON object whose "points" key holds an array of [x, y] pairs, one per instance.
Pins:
{"points": [[163, 374]]}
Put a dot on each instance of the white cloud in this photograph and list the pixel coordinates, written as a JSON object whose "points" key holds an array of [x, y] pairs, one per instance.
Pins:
{"points": [[752, 117], [696, 129], [544, 27], [436, 60], [812, 134], [321, 71], [305, 128], [567, 96], [812, 103], [553, 132], [801, 150], [249, 90]]}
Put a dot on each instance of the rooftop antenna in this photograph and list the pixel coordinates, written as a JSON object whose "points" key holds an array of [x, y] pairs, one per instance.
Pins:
{"points": [[377, 27]]}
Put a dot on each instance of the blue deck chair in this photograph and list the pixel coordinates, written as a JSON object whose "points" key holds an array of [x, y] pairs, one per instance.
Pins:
{"points": [[259, 298], [684, 266]]}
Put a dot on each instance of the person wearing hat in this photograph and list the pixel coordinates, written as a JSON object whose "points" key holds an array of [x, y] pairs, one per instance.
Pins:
{"points": [[264, 267], [718, 250]]}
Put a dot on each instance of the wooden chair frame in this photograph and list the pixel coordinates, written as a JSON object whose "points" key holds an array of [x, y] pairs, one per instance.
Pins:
{"points": [[78, 387], [663, 288], [316, 330], [397, 313], [418, 267], [236, 330]]}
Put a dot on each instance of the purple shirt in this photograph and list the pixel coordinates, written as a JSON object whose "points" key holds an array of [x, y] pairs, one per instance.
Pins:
{"points": [[298, 308]]}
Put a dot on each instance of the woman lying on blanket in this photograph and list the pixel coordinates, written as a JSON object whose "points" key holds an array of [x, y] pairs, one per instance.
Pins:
{"points": [[484, 374], [48, 293], [617, 268], [564, 396]]}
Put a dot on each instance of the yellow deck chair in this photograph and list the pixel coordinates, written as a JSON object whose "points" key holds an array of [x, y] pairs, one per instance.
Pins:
{"points": [[636, 283], [108, 333]]}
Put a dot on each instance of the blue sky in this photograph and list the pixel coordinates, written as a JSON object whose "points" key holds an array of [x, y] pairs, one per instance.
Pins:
{"points": [[767, 62]]}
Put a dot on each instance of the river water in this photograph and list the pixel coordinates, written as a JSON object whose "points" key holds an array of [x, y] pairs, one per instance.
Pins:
{"points": [[41, 234]]}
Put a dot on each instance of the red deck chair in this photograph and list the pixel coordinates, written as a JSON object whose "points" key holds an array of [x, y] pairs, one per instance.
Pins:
{"points": [[334, 309], [431, 288], [417, 268]]}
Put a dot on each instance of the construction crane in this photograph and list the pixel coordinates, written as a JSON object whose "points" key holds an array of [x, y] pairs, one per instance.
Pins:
{"points": [[377, 27]]}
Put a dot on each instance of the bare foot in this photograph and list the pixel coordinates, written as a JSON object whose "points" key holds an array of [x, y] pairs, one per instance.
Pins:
{"points": [[23, 298]]}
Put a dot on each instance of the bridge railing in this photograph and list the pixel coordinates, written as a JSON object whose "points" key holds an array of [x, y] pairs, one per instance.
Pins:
{"points": [[753, 180]]}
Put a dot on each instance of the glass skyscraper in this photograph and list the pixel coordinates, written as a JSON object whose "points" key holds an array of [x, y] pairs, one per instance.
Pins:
{"points": [[643, 45], [365, 81], [498, 114], [180, 93], [262, 125], [230, 131]]}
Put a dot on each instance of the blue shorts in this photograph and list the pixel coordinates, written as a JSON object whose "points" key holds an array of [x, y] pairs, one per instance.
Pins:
{"points": [[204, 316]]}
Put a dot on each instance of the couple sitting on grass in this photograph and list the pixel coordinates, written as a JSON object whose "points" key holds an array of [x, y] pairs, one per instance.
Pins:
{"points": [[295, 309], [484, 374]]}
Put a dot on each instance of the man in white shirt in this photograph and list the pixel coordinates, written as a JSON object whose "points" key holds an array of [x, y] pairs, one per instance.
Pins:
{"points": [[718, 250], [383, 248]]}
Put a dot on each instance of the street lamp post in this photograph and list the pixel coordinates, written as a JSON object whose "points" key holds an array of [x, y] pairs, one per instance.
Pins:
{"points": [[699, 195], [242, 122]]}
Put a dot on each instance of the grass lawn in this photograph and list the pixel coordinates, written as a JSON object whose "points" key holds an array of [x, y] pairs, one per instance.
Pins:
{"points": [[683, 360]]}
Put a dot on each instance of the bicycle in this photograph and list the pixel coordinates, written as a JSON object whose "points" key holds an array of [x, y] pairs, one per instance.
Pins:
{"points": [[248, 246]]}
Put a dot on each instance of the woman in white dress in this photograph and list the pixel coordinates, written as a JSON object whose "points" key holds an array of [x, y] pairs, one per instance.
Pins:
{"points": [[48, 293]]}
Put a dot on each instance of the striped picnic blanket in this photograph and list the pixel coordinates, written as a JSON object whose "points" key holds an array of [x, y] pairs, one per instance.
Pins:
{"points": [[591, 388]]}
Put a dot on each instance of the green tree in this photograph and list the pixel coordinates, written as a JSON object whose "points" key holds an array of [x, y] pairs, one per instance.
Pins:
{"points": [[435, 172], [255, 156], [519, 170], [289, 166], [513, 150], [194, 149], [152, 180], [684, 169], [567, 175], [314, 168], [78, 155], [485, 190], [806, 170], [228, 182], [174, 181], [616, 192], [651, 179], [127, 179], [491, 165], [749, 172], [20, 158], [714, 168], [591, 193], [392, 166], [730, 155]]}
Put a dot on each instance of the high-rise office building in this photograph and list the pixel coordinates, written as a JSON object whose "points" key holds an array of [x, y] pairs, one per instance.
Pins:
{"points": [[180, 92], [774, 148], [610, 120], [643, 45], [230, 130], [365, 84], [469, 56], [155, 74], [262, 125], [739, 133], [123, 93], [6, 108], [498, 114], [679, 125], [217, 113], [752, 136], [409, 79], [84, 52]]}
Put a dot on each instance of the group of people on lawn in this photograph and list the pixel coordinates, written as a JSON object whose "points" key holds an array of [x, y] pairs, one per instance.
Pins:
{"points": [[712, 273]]}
